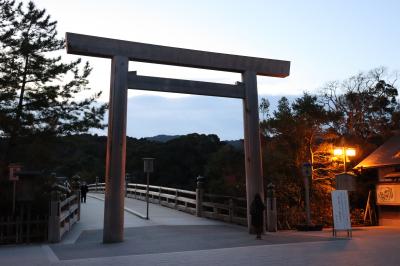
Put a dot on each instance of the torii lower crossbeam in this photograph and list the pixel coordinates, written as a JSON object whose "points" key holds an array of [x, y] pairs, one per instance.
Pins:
{"points": [[185, 86]]}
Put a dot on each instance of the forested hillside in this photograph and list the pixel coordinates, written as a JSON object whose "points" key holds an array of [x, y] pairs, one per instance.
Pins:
{"points": [[178, 161]]}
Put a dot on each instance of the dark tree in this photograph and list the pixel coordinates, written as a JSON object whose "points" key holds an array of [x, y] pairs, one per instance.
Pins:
{"points": [[368, 102], [294, 134], [38, 90], [225, 172]]}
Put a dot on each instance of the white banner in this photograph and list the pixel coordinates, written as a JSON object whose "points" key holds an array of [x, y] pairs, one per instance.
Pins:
{"points": [[341, 211]]}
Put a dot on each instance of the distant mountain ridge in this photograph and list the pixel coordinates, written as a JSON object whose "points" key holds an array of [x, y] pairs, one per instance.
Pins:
{"points": [[237, 144], [163, 138]]}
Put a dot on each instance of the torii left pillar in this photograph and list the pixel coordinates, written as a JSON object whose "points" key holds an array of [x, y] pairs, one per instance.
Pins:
{"points": [[116, 153]]}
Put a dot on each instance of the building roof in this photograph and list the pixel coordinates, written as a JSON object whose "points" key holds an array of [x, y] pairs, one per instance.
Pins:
{"points": [[387, 154]]}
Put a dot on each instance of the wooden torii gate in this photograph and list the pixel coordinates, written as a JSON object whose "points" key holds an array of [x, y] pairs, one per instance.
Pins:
{"points": [[121, 52]]}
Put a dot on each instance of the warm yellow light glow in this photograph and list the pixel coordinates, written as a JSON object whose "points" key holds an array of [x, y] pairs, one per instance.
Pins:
{"points": [[338, 151], [350, 152]]}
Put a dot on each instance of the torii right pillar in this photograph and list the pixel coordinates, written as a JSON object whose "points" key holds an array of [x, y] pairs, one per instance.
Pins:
{"points": [[252, 150]]}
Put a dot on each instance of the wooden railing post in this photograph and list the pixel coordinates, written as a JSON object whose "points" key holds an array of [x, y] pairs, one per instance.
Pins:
{"points": [[69, 214], [176, 199], [199, 202], [76, 189], [159, 195], [126, 188], [199, 196], [77, 192], [271, 212], [78, 196], [231, 210], [54, 218]]}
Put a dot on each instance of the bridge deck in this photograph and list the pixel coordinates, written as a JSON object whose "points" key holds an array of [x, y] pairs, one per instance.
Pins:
{"points": [[93, 211], [167, 231]]}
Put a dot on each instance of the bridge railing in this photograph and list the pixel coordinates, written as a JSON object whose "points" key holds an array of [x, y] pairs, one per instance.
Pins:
{"points": [[63, 215], [97, 187], [225, 208], [179, 199]]}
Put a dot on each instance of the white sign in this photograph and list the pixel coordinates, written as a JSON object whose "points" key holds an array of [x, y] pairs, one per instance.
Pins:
{"points": [[388, 194], [341, 211]]}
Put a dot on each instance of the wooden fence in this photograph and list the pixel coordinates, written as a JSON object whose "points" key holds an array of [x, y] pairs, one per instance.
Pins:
{"points": [[225, 208], [22, 227]]}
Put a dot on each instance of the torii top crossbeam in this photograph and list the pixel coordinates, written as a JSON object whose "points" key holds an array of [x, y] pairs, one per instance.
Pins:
{"points": [[107, 48]]}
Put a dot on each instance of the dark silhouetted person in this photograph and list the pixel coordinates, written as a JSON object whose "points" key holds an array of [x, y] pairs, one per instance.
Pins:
{"points": [[257, 215], [84, 191]]}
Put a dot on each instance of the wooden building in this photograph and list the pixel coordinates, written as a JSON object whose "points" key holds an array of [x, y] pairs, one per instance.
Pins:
{"points": [[384, 166]]}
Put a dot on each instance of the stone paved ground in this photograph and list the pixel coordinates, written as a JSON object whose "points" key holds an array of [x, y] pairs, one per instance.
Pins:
{"points": [[176, 238], [167, 239]]}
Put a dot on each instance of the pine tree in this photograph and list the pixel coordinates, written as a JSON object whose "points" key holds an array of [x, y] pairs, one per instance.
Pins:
{"points": [[37, 88]]}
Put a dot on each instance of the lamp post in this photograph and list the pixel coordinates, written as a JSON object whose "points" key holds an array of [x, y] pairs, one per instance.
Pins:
{"points": [[307, 175], [148, 166], [345, 152]]}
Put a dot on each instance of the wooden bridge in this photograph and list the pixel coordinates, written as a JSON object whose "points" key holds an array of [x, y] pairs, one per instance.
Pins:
{"points": [[224, 208]]}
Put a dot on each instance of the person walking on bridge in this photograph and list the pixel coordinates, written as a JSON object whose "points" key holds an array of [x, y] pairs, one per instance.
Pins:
{"points": [[257, 215], [84, 191]]}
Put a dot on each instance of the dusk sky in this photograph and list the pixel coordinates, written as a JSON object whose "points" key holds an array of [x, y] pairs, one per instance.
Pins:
{"points": [[324, 41]]}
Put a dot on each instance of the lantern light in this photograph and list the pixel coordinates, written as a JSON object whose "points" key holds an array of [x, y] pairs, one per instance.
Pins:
{"points": [[338, 152]]}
